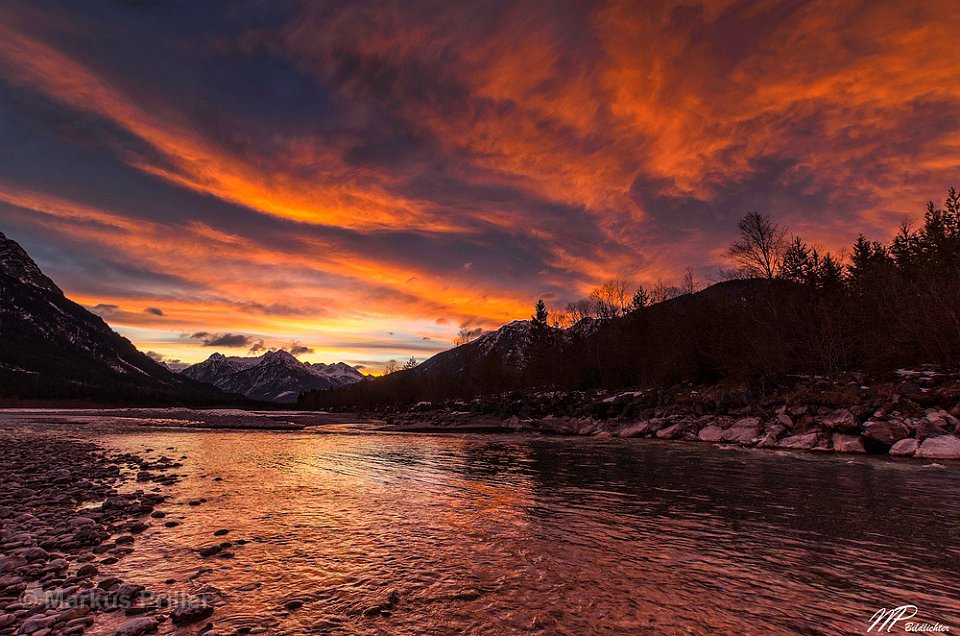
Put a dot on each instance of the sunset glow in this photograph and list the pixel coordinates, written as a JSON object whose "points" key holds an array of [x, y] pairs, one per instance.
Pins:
{"points": [[364, 179]]}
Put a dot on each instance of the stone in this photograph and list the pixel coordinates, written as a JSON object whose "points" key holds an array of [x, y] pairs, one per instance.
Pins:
{"points": [[671, 432], [109, 583], [210, 550], [87, 570], [943, 447], [844, 443], [638, 429], [884, 432], [710, 434], [842, 420], [138, 626], [904, 448], [743, 431], [799, 442], [190, 612], [932, 425]]}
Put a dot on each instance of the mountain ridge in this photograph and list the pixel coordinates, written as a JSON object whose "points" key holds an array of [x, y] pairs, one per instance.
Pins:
{"points": [[276, 376], [55, 349]]}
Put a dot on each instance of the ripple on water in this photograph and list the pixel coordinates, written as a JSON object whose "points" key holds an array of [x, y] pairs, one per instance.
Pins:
{"points": [[364, 533]]}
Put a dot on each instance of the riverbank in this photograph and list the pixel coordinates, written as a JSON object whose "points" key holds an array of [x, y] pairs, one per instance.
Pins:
{"points": [[69, 513], [914, 414]]}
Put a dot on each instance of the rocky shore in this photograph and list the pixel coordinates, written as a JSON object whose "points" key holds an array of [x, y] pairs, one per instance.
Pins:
{"points": [[63, 522], [912, 414]]}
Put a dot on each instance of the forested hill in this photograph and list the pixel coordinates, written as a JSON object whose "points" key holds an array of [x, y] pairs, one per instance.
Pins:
{"points": [[793, 310]]}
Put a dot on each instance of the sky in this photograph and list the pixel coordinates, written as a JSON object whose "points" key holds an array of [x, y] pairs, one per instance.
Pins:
{"points": [[356, 181]]}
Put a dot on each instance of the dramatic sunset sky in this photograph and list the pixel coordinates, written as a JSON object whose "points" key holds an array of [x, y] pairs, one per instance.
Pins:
{"points": [[361, 179]]}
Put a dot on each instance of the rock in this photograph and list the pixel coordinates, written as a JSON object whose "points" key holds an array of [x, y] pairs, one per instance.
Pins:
{"points": [[943, 447], [909, 389], [36, 623], [109, 583], [710, 433], [138, 627], [293, 604], [802, 442], [743, 431], [932, 425], [843, 443], [671, 432], [637, 429], [221, 532], [190, 612], [904, 448], [209, 551], [87, 570], [34, 554], [884, 433], [842, 420]]}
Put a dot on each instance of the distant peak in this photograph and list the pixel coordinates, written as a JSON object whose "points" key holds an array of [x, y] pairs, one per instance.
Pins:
{"points": [[216, 356], [279, 355], [16, 263]]}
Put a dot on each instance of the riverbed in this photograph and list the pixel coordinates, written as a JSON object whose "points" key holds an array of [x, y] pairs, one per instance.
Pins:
{"points": [[345, 529]]}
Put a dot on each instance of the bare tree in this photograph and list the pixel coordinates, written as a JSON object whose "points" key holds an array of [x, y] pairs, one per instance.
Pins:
{"points": [[466, 335], [759, 245], [611, 298], [561, 319], [662, 291], [583, 308], [689, 283], [390, 366]]}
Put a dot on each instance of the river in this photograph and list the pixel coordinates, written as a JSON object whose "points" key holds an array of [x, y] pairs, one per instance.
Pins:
{"points": [[510, 534]]}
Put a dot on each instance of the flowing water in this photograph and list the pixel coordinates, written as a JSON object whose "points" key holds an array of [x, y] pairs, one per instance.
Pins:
{"points": [[502, 534]]}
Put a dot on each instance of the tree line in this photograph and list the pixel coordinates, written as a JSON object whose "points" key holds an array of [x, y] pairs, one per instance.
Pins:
{"points": [[787, 307]]}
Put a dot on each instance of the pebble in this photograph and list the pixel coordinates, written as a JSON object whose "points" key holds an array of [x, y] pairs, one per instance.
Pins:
{"points": [[51, 520]]}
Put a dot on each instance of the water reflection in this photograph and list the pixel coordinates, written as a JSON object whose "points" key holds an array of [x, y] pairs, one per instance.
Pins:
{"points": [[507, 534]]}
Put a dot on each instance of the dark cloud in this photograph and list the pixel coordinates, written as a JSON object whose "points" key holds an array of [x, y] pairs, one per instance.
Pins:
{"points": [[221, 339], [173, 364], [257, 347], [154, 311], [105, 310], [299, 350]]}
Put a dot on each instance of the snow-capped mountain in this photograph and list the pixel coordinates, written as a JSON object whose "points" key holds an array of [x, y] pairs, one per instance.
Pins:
{"points": [[276, 376], [52, 348], [507, 344]]}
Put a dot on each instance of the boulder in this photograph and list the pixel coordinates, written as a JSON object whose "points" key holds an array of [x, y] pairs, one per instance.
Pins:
{"points": [[636, 429], [884, 432], [843, 443], [190, 612], [943, 447], [743, 431], [932, 425], [801, 442], [138, 627], [711, 433], [671, 432], [904, 448], [842, 420]]}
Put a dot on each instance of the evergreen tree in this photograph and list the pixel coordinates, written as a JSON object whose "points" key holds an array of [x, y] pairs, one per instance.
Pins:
{"points": [[540, 346]]}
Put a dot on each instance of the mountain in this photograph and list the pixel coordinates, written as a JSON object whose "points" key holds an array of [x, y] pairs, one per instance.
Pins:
{"points": [[51, 348], [506, 344], [666, 342], [276, 376]]}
